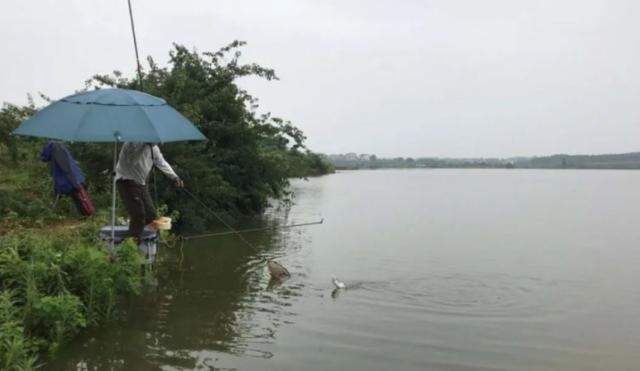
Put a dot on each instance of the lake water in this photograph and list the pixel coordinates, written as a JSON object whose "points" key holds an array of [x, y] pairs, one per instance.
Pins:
{"points": [[447, 270]]}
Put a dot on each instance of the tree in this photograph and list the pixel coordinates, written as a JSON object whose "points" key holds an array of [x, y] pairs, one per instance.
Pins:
{"points": [[247, 158], [10, 117]]}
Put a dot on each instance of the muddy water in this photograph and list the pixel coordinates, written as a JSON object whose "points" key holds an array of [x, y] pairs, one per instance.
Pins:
{"points": [[446, 270]]}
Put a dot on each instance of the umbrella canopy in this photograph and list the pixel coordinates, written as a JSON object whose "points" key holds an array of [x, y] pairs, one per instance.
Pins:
{"points": [[110, 115]]}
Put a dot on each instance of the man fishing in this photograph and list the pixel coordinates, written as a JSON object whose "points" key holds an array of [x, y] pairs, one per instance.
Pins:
{"points": [[134, 165]]}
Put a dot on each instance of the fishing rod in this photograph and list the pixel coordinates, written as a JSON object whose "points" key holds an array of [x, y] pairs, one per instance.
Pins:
{"points": [[233, 230], [276, 270], [251, 230], [135, 45], [141, 88]]}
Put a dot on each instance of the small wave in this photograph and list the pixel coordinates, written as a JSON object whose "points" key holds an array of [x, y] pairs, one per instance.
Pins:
{"points": [[501, 297]]}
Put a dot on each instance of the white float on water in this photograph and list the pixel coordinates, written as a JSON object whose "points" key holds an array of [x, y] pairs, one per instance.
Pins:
{"points": [[337, 283]]}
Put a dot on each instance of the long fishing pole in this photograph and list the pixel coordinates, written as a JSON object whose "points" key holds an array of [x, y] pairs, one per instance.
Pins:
{"points": [[135, 45], [251, 230], [140, 87], [233, 230], [277, 270]]}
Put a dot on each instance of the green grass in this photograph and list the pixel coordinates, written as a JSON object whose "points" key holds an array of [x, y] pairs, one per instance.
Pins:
{"points": [[55, 276], [54, 284]]}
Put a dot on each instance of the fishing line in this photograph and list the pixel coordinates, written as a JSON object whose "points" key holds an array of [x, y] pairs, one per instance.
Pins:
{"points": [[240, 236], [277, 270], [274, 227]]}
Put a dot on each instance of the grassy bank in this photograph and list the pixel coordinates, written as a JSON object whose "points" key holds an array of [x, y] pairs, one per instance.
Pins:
{"points": [[55, 277], [53, 285]]}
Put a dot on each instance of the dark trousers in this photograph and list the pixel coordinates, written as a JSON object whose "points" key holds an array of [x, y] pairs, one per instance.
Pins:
{"points": [[137, 200]]}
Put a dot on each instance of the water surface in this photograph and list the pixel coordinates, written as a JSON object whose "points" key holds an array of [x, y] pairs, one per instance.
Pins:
{"points": [[448, 270]]}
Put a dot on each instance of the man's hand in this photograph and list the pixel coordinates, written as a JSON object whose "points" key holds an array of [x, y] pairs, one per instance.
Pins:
{"points": [[179, 183]]}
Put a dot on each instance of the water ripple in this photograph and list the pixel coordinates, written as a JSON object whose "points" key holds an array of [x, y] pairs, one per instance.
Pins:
{"points": [[500, 297]]}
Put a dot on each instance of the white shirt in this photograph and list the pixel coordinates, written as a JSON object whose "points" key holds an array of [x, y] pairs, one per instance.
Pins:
{"points": [[135, 162]]}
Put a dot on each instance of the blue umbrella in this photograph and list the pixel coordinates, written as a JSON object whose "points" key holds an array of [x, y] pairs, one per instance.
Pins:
{"points": [[110, 115]]}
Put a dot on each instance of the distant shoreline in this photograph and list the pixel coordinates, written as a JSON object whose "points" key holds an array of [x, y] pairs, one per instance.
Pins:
{"points": [[478, 168], [624, 161]]}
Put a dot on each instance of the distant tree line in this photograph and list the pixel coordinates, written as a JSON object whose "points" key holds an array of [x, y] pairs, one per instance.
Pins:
{"points": [[609, 161], [353, 161]]}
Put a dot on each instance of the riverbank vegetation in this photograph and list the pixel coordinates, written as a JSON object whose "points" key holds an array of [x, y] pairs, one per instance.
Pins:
{"points": [[246, 161], [248, 157], [56, 282], [56, 277]]}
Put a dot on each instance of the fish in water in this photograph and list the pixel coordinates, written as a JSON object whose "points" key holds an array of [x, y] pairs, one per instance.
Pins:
{"points": [[337, 283], [276, 270]]}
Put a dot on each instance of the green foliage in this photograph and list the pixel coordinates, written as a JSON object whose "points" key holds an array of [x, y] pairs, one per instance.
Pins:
{"points": [[248, 157], [16, 351], [310, 164], [10, 117], [56, 284], [245, 163], [57, 318], [26, 193]]}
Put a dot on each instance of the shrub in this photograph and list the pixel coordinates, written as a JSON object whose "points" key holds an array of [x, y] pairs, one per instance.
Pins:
{"points": [[56, 284], [16, 351]]}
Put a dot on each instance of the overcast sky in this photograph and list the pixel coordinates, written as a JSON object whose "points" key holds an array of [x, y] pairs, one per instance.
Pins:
{"points": [[456, 78]]}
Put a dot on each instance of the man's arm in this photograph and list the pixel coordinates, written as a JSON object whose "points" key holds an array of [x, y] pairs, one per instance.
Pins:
{"points": [[163, 165]]}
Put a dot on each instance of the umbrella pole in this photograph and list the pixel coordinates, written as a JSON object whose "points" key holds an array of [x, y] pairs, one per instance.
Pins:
{"points": [[113, 198]]}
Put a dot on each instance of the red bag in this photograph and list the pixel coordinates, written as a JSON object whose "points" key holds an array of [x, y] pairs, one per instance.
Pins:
{"points": [[83, 202]]}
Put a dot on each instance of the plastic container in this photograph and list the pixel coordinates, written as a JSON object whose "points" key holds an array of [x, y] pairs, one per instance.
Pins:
{"points": [[163, 222], [148, 242]]}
